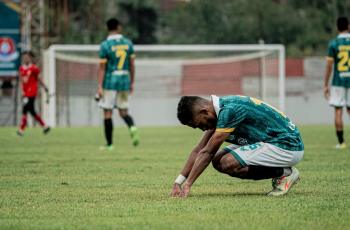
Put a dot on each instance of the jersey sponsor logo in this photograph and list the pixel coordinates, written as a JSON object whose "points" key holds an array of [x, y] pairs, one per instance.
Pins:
{"points": [[8, 50], [242, 141]]}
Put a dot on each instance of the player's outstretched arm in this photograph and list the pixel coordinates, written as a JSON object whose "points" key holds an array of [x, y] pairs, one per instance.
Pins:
{"points": [[203, 159], [43, 84], [190, 162]]}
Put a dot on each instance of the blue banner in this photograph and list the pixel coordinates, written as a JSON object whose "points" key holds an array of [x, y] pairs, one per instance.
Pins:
{"points": [[9, 39]]}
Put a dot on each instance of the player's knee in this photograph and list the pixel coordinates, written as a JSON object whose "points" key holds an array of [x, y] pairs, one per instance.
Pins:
{"points": [[226, 164], [107, 114], [32, 112], [123, 112], [229, 163]]}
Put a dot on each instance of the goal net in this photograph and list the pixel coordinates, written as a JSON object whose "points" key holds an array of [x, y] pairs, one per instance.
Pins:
{"points": [[163, 74]]}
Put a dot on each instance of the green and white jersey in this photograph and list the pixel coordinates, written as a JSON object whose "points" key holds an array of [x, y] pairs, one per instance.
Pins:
{"points": [[339, 51], [249, 120], [116, 52]]}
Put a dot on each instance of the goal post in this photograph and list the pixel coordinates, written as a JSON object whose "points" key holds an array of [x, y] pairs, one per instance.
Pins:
{"points": [[164, 71]]}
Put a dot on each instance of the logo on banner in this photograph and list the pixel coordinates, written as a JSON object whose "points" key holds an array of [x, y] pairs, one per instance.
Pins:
{"points": [[8, 51]]}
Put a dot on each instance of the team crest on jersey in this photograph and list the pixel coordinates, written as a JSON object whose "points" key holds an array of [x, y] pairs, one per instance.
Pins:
{"points": [[8, 50], [242, 141]]}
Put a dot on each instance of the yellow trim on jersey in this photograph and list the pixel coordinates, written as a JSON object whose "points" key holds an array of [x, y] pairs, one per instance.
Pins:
{"points": [[330, 58], [344, 48], [102, 61], [132, 56], [13, 6], [225, 130]]}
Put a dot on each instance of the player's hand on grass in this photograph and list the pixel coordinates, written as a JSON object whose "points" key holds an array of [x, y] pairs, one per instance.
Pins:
{"points": [[176, 191], [185, 190], [326, 92]]}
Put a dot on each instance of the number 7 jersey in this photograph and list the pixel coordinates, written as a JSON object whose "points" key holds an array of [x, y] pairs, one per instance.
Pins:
{"points": [[339, 52], [116, 52]]}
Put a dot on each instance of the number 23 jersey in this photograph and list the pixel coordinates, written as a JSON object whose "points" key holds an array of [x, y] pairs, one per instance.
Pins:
{"points": [[339, 52]]}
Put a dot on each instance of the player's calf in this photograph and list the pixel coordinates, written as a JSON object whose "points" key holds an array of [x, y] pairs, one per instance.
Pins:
{"points": [[226, 163]]}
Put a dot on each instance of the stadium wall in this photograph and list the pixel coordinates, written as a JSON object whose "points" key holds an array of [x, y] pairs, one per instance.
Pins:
{"points": [[155, 104]]}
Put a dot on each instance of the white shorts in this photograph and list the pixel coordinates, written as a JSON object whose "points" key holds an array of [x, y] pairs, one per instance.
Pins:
{"points": [[112, 99], [339, 96], [264, 154]]}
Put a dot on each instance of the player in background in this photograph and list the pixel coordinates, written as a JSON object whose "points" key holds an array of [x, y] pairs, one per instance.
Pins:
{"points": [[264, 142], [116, 80], [338, 59], [29, 79]]}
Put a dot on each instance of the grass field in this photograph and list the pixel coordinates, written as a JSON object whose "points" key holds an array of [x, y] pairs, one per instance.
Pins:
{"points": [[62, 181]]}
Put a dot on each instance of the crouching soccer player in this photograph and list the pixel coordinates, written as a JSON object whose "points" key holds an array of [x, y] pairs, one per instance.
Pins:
{"points": [[265, 143], [29, 78]]}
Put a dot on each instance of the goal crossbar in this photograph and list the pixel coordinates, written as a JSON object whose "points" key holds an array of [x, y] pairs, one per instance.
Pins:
{"points": [[53, 49]]}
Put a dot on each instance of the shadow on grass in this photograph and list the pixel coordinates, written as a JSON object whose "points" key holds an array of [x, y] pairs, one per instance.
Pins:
{"points": [[249, 194], [233, 194]]}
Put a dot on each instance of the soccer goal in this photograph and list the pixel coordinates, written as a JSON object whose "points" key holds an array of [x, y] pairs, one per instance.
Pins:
{"points": [[163, 74]]}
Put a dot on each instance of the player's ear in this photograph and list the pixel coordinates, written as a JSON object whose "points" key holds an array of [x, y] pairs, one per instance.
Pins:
{"points": [[203, 111]]}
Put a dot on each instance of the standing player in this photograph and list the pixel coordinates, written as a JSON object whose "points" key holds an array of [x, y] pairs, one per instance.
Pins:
{"points": [[116, 80], [338, 59], [265, 143], [29, 78]]}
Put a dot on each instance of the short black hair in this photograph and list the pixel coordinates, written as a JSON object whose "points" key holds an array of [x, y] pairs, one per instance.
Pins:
{"points": [[28, 52], [112, 24], [186, 108], [342, 23]]}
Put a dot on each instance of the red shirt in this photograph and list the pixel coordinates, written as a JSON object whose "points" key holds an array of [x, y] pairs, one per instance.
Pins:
{"points": [[29, 78]]}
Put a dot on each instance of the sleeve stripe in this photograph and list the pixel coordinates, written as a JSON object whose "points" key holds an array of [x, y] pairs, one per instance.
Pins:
{"points": [[225, 130], [103, 60], [132, 55], [329, 58]]}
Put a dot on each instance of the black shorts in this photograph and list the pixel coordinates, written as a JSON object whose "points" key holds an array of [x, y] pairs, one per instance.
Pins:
{"points": [[28, 105]]}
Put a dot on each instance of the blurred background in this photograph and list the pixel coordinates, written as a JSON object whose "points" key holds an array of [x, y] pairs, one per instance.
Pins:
{"points": [[304, 28]]}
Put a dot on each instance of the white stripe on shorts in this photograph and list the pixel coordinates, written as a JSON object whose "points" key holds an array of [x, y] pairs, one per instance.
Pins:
{"points": [[264, 154]]}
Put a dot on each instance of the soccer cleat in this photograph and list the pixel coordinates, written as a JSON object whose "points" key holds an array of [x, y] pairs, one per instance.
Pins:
{"points": [[134, 136], [107, 147], [341, 146], [282, 185], [20, 133], [46, 130]]}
